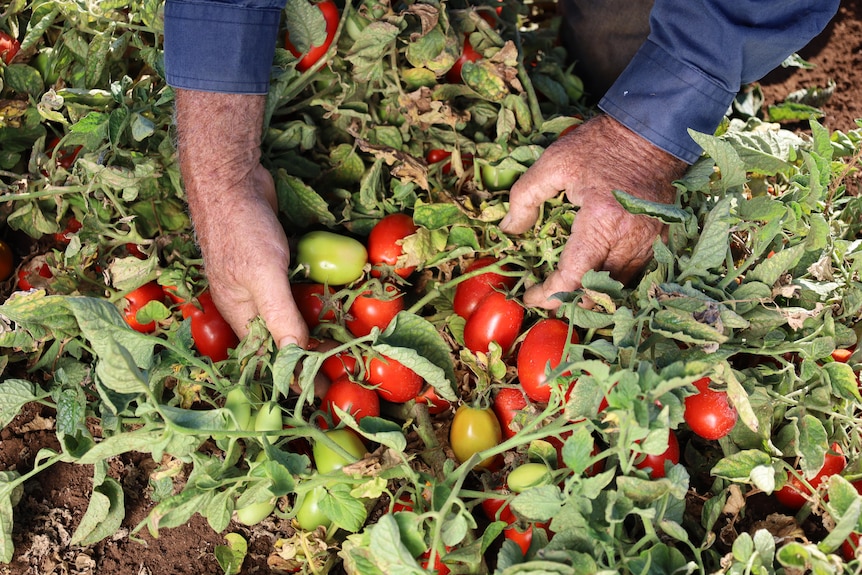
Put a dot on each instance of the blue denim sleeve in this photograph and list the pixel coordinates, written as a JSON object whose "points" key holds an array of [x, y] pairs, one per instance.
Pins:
{"points": [[697, 56], [221, 46]]}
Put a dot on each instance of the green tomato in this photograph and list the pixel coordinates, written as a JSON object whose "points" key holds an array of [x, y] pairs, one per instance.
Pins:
{"points": [[42, 62], [238, 404], [255, 513], [330, 258], [496, 178], [326, 459], [268, 418], [526, 476], [309, 515]]}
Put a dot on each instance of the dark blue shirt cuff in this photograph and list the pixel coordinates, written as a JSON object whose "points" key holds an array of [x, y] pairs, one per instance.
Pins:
{"points": [[660, 98], [220, 47]]}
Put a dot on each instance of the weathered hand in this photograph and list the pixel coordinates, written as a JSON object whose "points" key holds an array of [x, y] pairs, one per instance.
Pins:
{"points": [[233, 207], [600, 156]]}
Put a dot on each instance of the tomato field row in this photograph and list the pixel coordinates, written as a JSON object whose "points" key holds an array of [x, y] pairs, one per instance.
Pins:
{"points": [[436, 423]]}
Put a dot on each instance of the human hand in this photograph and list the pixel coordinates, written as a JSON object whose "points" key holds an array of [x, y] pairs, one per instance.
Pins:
{"points": [[233, 206], [588, 164]]}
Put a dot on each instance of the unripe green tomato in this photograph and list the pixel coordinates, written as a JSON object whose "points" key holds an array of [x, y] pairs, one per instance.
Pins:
{"points": [[330, 258], [238, 404], [326, 459], [526, 476], [496, 178], [309, 515], [255, 513], [355, 25], [268, 418]]}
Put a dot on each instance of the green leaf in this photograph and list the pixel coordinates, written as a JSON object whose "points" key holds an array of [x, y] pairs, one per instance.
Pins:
{"points": [[10, 493], [665, 213], [813, 443], [343, 509], [305, 25], [231, 556], [577, 450], [23, 79], [710, 251], [538, 503], [39, 316], [682, 326], [843, 380], [845, 525], [729, 164], [643, 491], [97, 57], [739, 466], [14, 394], [390, 555], [659, 560], [104, 514], [455, 528], [770, 269]]}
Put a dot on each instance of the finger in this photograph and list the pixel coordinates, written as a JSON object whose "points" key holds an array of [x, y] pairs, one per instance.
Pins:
{"points": [[538, 184], [282, 316]]}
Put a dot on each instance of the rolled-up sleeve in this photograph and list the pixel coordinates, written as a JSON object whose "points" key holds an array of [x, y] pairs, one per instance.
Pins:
{"points": [[698, 54], [221, 46]]}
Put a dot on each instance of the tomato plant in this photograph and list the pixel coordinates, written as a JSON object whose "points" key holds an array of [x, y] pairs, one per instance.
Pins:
{"points": [[473, 430], [471, 291], [468, 54], [326, 459], [211, 333], [393, 380], [543, 348], [28, 276], [315, 53], [496, 319], [138, 298], [708, 413], [369, 311], [9, 47], [795, 493], [355, 399], [508, 402], [383, 246], [656, 463], [331, 258], [311, 299], [7, 262]]}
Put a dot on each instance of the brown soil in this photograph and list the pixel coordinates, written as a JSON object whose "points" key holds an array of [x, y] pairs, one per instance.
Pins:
{"points": [[55, 501]]}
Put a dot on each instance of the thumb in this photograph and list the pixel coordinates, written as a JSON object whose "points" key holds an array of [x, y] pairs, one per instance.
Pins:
{"points": [[282, 317]]}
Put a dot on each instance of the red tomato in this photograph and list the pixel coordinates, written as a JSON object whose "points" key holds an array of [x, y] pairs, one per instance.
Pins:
{"points": [[473, 430], [137, 299], [7, 262], [310, 58], [368, 312], [212, 334], [311, 301], [467, 55], [72, 226], [27, 275], [508, 402], [656, 462], [383, 246], [439, 568], [522, 537], [437, 155], [135, 250], [338, 365], [394, 381], [545, 343], [498, 509], [471, 291], [495, 319], [842, 355], [794, 493], [436, 404], [64, 157], [351, 397], [708, 413], [9, 46]]}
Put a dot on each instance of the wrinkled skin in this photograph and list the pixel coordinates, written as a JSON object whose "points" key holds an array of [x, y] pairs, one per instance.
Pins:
{"points": [[233, 206], [588, 163]]}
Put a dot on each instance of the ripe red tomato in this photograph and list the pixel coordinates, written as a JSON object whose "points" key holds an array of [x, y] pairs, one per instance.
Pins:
{"points": [[843, 355], [495, 319], [368, 312], [351, 397], [439, 568], [497, 509], [137, 299], [28, 276], [848, 548], [437, 155], [522, 537], [211, 333], [311, 301], [64, 157], [708, 413], [315, 53], [435, 403], [7, 262], [72, 226], [383, 246], [508, 402], [655, 463], [473, 430], [471, 291], [794, 492], [9, 46], [467, 55], [394, 381], [338, 365], [545, 343]]}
